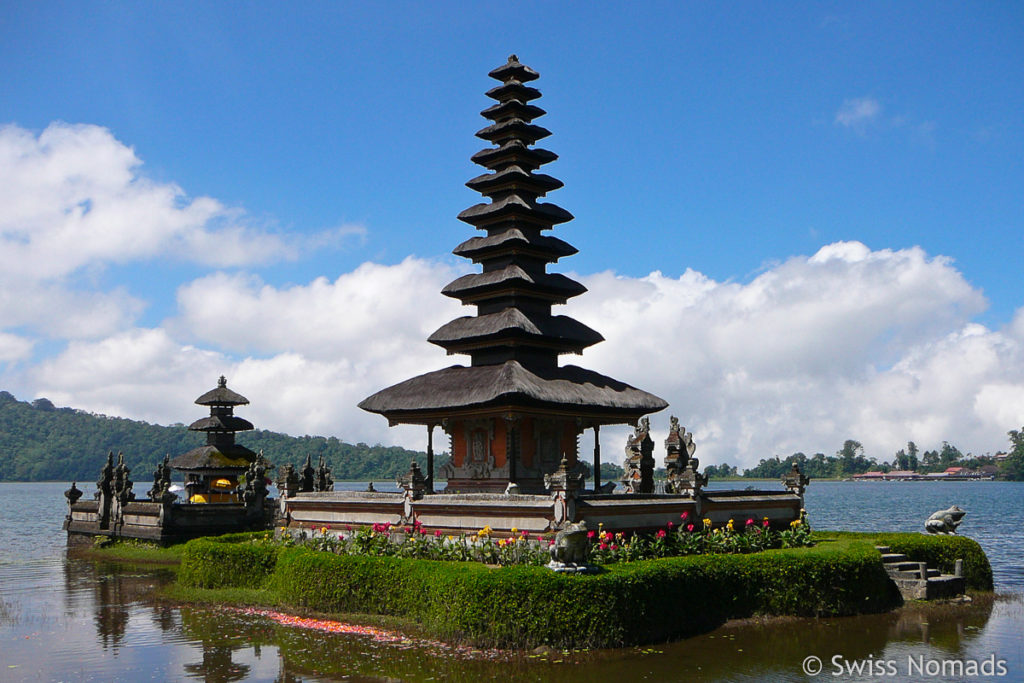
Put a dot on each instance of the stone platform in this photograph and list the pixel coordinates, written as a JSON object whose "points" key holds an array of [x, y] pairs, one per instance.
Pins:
{"points": [[536, 514]]}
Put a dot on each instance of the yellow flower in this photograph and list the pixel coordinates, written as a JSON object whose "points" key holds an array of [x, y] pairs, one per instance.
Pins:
{"points": [[729, 526], [515, 530], [473, 539], [795, 523], [450, 537], [707, 522]]}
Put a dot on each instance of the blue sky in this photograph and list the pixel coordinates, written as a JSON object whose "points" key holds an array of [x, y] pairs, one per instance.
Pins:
{"points": [[734, 140]]}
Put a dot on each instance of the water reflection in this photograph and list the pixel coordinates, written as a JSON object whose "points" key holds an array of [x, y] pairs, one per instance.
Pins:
{"points": [[63, 617]]}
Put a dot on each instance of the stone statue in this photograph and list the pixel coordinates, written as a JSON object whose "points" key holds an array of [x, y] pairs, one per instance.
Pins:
{"points": [[679, 450], [796, 482], [324, 481], [161, 476], [571, 548], [945, 521], [639, 463], [307, 476], [414, 481], [288, 481]]}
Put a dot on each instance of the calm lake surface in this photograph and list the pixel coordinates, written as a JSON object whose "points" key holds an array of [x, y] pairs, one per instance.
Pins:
{"points": [[69, 619]]}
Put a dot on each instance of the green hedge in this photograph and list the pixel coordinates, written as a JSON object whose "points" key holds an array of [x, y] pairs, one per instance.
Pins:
{"points": [[245, 560], [523, 606], [940, 552]]}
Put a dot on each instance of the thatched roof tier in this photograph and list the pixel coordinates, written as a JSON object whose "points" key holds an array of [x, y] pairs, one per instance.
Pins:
{"points": [[525, 241], [513, 280], [543, 215], [513, 179], [222, 396], [221, 423], [215, 458], [513, 70], [513, 129], [513, 90], [513, 109], [514, 152], [456, 389], [514, 327]]}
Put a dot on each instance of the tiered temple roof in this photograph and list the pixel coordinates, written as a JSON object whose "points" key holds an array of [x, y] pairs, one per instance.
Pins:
{"points": [[220, 452], [513, 340]]}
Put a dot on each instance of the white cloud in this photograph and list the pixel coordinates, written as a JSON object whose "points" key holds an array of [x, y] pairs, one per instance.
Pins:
{"points": [[848, 343], [13, 347], [858, 113]]}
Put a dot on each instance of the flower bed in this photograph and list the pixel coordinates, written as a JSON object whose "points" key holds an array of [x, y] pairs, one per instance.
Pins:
{"points": [[674, 540]]}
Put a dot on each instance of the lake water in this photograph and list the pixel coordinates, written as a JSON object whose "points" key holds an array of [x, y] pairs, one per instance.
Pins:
{"points": [[69, 619]]}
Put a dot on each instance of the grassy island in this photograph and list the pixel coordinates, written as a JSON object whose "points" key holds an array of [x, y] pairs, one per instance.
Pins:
{"points": [[524, 606]]}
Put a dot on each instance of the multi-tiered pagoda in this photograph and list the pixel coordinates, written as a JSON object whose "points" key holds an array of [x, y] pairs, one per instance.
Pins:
{"points": [[514, 413], [212, 470]]}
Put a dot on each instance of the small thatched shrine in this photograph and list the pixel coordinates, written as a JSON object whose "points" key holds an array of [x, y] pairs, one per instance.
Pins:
{"points": [[514, 414], [212, 470]]}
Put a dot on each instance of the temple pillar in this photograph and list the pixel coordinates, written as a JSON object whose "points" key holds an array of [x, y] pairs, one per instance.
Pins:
{"points": [[430, 458], [597, 458], [512, 447]]}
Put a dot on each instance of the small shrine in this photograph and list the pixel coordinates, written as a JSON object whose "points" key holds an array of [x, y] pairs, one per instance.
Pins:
{"points": [[216, 500], [513, 415], [212, 470]]}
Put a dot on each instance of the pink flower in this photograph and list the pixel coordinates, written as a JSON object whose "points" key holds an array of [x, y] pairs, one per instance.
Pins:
{"points": [[614, 547], [661, 533], [348, 527], [524, 534], [603, 546], [437, 533], [765, 523], [685, 515], [689, 527], [408, 530], [590, 534], [551, 542], [670, 525], [750, 521]]}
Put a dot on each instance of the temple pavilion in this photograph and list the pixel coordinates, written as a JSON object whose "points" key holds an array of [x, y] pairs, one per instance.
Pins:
{"points": [[212, 470], [513, 414]]}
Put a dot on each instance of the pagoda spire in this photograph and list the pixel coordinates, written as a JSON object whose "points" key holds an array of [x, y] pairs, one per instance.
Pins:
{"points": [[514, 292]]}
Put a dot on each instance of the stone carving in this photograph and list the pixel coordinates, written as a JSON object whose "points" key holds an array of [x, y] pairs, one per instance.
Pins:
{"points": [[679, 450], [478, 461], [796, 482], [639, 464], [945, 521], [307, 476], [414, 482], [166, 499], [288, 481], [122, 489], [255, 491], [324, 481], [689, 482], [565, 478], [72, 494], [571, 547], [161, 476]]}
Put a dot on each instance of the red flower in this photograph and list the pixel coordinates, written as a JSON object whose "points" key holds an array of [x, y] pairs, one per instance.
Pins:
{"points": [[437, 533], [408, 530], [524, 534], [590, 534], [750, 521], [765, 524], [661, 533], [670, 525], [551, 542], [689, 527], [614, 547], [603, 546], [685, 515]]}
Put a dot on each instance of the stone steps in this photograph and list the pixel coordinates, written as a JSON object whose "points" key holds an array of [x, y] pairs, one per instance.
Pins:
{"points": [[916, 581]]}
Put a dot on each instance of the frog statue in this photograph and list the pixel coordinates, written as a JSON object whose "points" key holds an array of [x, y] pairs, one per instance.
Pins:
{"points": [[571, 546], [945, 521]]}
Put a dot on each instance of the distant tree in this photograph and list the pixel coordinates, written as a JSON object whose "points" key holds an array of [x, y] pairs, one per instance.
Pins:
{"points": [[1012, 467]]}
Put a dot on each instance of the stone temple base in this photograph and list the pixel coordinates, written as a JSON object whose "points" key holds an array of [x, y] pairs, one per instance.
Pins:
{"points": [[537, 514]]}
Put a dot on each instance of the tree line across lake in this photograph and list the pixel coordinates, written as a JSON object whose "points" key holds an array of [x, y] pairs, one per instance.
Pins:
{"points": [[41, 442]]}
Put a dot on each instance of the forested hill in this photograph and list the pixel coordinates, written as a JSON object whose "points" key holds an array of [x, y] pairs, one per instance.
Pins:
{"points": [[40, 442]]}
